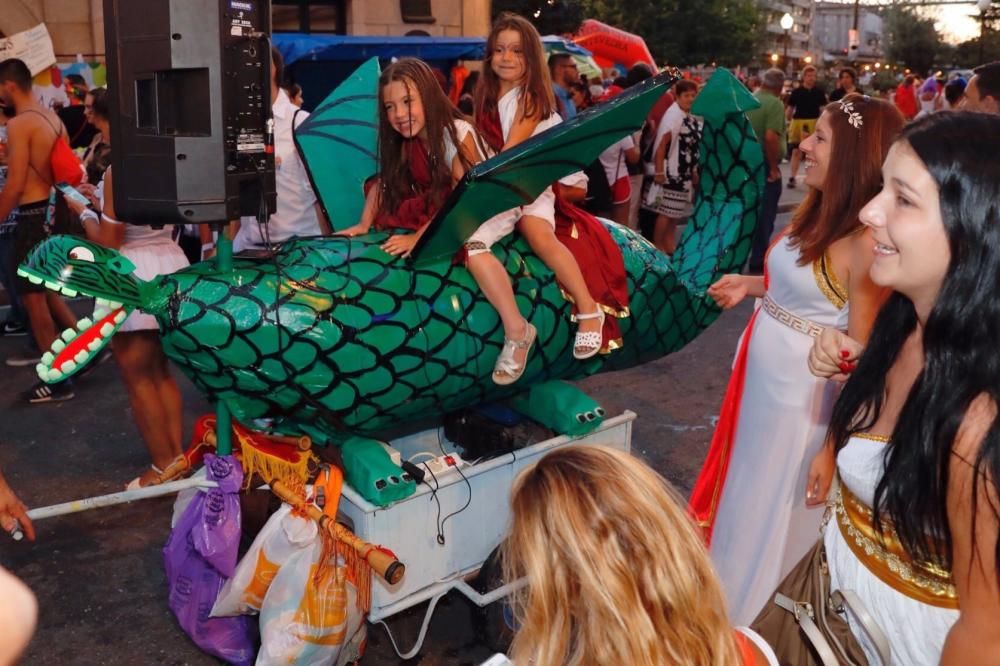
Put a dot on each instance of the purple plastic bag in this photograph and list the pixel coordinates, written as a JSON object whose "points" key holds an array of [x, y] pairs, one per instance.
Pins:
{"points": [[198, 557]]}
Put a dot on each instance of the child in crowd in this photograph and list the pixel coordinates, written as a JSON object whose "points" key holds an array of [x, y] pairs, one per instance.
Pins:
{"points": [[670, 192], [514, 102], [425, 147], [616, 571]]}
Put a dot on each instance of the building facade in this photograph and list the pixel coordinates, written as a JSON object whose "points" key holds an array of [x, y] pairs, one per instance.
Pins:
{"points": [[832, 23], [77, 26], [790, 50]]}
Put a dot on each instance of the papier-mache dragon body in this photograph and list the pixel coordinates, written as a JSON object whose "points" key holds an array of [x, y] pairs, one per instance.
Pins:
{"points": [[333, 337]]}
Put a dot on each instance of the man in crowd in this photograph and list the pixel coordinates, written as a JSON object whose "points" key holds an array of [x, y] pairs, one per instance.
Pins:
{"points": [[804, 106], [847, 83], [298, 213], [983, 91], [768, 122], [31, 135], [562, 67]]}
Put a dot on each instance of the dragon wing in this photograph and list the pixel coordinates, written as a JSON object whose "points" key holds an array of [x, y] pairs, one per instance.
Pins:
{"points": [[337, 143], [517, 176]]}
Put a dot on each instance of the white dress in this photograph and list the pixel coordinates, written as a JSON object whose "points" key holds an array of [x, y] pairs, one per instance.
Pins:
{"points": [[916, 631], [763, 527], [501, 225]]}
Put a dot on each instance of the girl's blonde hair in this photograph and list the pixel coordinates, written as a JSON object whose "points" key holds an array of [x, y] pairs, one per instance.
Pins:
{"points": [[539, 100], [617, 573]]}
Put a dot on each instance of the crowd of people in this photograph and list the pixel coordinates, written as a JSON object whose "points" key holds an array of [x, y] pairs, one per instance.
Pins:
{"points": [[857, 444]]}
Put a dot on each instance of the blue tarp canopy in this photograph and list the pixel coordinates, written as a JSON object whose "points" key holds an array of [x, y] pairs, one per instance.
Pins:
{"points": [[319, 63], [298, 46]]}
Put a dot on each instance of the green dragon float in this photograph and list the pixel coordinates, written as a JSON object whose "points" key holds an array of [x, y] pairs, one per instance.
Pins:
{"points": [[334, 338]]}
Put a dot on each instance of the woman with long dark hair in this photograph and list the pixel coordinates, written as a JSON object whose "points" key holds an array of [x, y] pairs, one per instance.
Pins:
{"points": [[916, 516], [749, 495]]}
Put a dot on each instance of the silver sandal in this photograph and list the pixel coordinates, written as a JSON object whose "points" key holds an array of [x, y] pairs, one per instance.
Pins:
{"points": [[507, 370]]}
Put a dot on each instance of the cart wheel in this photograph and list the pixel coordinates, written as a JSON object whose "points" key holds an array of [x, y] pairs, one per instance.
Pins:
{"points": [[494, 623]]}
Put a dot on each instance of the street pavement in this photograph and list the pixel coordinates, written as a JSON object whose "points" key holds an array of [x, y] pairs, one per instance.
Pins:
{"points": [[99, 575]]}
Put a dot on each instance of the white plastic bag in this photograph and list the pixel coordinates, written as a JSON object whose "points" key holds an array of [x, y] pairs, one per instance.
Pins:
{"points": [[310, 620], [283, 535]]}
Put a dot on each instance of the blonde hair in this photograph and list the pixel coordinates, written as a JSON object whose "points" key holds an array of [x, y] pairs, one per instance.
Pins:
{"points": [[617, 573]]}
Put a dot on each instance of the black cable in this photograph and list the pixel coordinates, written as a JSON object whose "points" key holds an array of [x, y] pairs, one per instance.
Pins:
{"points": [[468, 501]]}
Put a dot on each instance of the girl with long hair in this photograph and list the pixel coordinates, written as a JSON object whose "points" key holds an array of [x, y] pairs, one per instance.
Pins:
{"points": [[616, 570], [775, 413], [914, 434], [425, 146], [513, 102]]}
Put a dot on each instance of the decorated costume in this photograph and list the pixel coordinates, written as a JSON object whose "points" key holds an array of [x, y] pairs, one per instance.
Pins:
{"points": [[915, 606], [334, 338], [750, 495]]}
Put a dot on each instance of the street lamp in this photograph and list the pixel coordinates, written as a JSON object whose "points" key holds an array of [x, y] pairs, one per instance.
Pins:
{"points": [[786, 24], [984, 6]]}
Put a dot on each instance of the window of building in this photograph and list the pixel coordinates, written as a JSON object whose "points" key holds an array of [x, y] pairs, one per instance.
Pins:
{"points": [[416, 11], [309, 16]]}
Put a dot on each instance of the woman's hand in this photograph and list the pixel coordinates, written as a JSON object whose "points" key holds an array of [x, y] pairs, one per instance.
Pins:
{"points": [[90, 191], [401, 245], [352, 231], [13, 511], [729, 291], [821, 471], [834, 355], [660, 178]]}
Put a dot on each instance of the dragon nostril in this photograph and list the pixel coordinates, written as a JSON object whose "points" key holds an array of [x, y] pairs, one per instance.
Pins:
{"points": [[121, 265]]}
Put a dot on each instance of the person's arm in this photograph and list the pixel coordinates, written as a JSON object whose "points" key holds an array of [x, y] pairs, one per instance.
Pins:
{"points": [[12, 510], [730, 290], [18, 154], [324, 224], [522, 128], [632, 155], [974, 640], [109, 234], [660, 157], [373, 201], [18, 615], [772, 150]]}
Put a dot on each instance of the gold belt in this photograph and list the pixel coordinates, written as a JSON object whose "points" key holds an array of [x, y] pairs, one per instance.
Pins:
{"points": [[886, 558], [790, 319]]}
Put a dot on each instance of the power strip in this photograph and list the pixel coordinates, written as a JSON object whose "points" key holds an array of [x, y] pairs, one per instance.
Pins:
{"points": [[394, 454], [442, 465]]}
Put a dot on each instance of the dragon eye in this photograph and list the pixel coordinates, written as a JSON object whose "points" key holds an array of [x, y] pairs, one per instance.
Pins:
{"points": [[81, 253]]}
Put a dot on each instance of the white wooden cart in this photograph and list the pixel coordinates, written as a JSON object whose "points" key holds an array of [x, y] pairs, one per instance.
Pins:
{"points": [[410, 527]]}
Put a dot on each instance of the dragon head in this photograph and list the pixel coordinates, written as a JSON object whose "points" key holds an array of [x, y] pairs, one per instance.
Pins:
{"points": [[73, 266]]}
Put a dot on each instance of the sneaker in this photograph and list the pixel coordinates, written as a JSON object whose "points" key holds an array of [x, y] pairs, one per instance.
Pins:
{"points": [[87, 369], [25, 358], [11, 328], [791, 183], [42, 392]]}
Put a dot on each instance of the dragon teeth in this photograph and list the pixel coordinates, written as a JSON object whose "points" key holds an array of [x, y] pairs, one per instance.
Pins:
{"points": [[119, 317], [68, 366], [81, 357], [100, 312], [71, 293], [114, 305], [42, 370], [58, 345], [48, 357], [68, 334], [54, 286], [33, 279], [56, 375], [106, 330], [94, 345], [22, 273], [84, 324]]}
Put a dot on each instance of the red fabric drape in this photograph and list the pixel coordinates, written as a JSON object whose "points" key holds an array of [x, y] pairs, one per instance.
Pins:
{"points": [[600, 261], [415, 211], [707, 492]]}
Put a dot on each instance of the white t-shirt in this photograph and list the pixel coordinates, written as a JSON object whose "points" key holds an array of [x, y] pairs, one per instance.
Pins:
{"points": [[462, 129], [296, 212], [673, 122], [613, 159]]}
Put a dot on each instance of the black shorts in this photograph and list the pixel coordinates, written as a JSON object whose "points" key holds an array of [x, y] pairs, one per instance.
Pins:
{"points": [[29, 231]]}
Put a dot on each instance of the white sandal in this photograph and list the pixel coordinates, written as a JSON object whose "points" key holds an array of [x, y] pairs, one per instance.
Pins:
{"points": [[507, 370], [592, 341]]}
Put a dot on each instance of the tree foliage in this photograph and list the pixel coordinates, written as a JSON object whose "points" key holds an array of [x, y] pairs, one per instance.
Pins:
{"points": [[677, 32], [911, 39]]}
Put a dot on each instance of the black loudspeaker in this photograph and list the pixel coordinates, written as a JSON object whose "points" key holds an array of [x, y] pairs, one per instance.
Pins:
{"points": [[189, 85]]}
